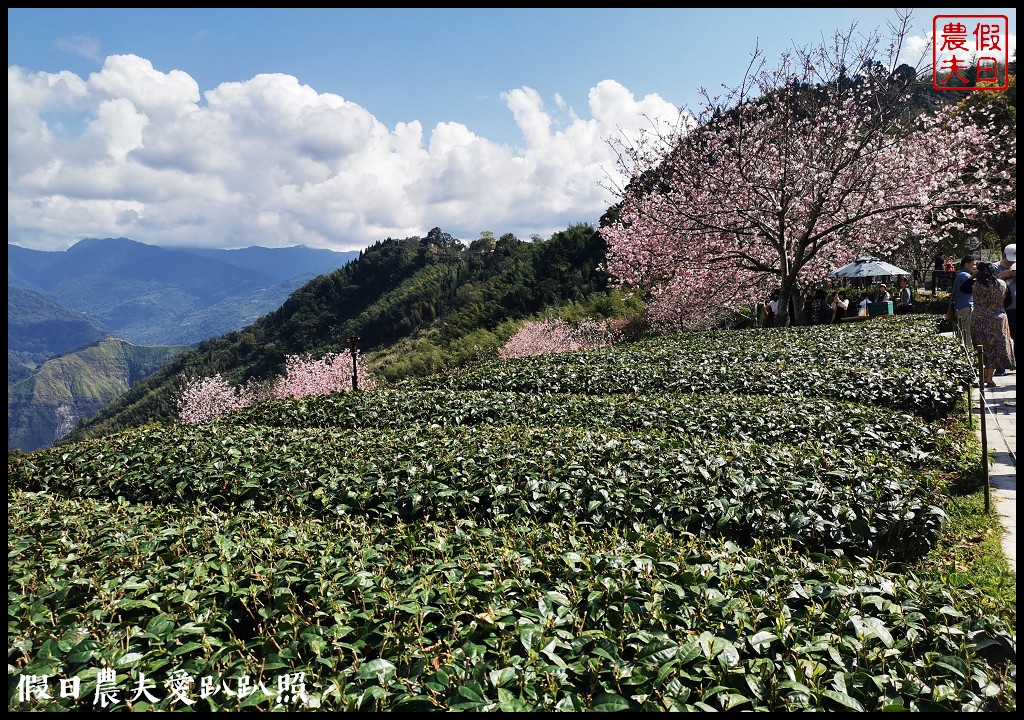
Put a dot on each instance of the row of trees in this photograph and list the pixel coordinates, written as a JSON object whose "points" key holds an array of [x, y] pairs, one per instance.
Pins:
{"points": [[800, 169]]}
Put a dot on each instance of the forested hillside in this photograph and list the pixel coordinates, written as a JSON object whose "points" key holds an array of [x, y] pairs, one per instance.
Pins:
{"points": [[418, 305], [39, 328], [46, 405]]}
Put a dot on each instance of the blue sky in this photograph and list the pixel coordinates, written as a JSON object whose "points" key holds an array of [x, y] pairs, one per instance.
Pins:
{"points": [[337, 128]]}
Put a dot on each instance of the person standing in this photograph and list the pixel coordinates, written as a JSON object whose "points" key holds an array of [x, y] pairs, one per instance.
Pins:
{"points": [[905, 300], [818, 310], [772, 309], [989, 326], [882, 295], [1008, 274], [963, 299], [840, 304], [940, 267]]}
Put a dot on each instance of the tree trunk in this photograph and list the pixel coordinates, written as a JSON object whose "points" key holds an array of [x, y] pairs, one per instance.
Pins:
{"points": [[791, 297]]}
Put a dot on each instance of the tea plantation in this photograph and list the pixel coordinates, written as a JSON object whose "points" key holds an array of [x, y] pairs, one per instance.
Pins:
{"points": [[704, 522]]}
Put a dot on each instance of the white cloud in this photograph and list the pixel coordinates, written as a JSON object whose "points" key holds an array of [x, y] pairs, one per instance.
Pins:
{"points": [[128, 77], [119, 126], [132, 151]]}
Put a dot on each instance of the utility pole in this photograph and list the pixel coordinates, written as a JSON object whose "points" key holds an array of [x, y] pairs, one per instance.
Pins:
{"points": [[353, 344]]}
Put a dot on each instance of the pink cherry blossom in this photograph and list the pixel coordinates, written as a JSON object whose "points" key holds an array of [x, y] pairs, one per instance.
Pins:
{"points": [[204, 399], [797, 171], [542, 337], [331, 373]]}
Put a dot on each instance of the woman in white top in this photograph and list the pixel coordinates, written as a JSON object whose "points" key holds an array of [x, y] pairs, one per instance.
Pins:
{"points": [[840, 303]]}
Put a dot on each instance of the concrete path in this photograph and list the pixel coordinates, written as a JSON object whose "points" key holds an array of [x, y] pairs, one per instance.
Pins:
{"points": [[1000, 404]]}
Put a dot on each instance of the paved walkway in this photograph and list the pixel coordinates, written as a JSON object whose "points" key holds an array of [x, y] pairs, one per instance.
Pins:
{"points": [[1001, 436]]}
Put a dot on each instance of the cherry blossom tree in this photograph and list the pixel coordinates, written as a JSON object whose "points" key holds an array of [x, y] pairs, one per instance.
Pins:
{"points": [[795, 172], [552, 335], [332, 373], [203, 399]]}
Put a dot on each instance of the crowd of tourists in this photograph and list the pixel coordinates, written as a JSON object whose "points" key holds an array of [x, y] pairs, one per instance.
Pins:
{"points": [[983, 305], [823, 309]]}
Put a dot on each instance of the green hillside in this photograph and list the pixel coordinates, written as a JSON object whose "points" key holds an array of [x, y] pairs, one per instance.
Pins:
{"points": [[418, 305], [49, 404], [39, 328]]}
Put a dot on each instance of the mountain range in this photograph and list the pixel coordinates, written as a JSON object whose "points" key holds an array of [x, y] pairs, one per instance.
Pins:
{"points": [[48, 404], [158, 301], [160, 296]]}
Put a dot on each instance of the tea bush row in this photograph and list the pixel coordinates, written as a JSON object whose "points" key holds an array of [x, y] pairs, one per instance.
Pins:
{"points": [[899, 364], [456, 616], [842, 426], [863, 504]]}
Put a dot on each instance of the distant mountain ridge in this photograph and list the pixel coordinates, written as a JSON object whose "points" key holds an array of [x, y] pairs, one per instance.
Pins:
{"points": [[48, 405], [158, 296], [279, 263]]}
